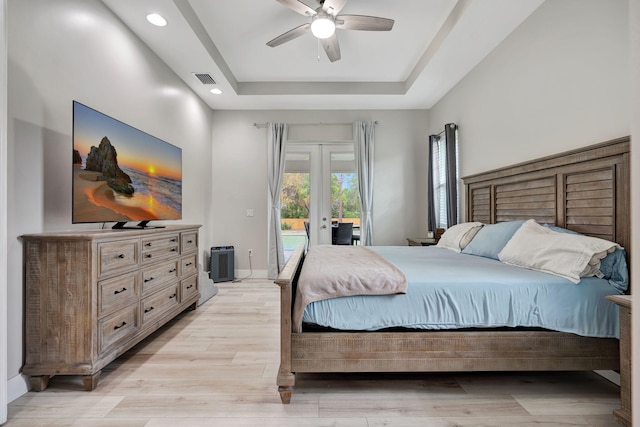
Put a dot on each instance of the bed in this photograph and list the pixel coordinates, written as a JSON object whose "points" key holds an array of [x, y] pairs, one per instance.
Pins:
{"points": [[585, 191]]}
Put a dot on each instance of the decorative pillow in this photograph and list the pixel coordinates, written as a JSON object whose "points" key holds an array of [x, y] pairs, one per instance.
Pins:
{"points": [[562, 254], [612, 267], [491, 238], [458, 236]]}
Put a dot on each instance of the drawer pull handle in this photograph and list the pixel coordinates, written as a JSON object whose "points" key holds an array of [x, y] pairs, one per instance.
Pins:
{"points": [[173, 249], [148, 280], [173, 270], [148, 309], [189, 241], [172, 296], [148, 244], [121, 256], [119, 326], [188, 264], [174, 240], [148, 255], [190, 286], [116, 292]]}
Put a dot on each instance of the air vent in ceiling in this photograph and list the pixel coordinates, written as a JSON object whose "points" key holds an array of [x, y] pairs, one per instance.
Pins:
{"points": [[205, 78]]}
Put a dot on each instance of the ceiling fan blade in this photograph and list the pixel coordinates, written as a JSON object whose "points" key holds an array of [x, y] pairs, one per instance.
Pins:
{"points": [[298, 7], [333, 7], [289, 35], [364, 23], [331, 47]]}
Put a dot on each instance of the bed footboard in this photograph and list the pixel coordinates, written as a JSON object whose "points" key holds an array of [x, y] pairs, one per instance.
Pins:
{"points": [[287, 280]]}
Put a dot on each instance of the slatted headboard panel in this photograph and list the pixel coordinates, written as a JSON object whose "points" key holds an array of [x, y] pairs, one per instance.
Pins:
{"points": [[585, 190]]}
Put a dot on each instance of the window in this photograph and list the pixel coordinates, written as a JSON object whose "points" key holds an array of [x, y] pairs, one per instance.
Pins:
{"points": [[443, 178]]}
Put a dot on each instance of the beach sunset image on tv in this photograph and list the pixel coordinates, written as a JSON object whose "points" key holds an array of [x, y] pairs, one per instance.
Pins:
{"points": [[121, 173]]}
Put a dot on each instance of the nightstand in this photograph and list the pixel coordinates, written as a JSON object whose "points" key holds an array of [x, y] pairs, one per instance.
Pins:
{"points": [[623, 414], [421, 241]]}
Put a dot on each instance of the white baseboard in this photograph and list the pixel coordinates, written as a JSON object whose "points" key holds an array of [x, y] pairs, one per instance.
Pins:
{"points": [[247, 274], [16, 387]]}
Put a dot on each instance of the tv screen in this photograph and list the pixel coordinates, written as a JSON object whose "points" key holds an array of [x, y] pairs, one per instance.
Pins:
{"points": [[121, 173]]}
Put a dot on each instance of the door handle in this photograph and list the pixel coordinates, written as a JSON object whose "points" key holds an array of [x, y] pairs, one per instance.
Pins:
{"points": [[324, 226]]}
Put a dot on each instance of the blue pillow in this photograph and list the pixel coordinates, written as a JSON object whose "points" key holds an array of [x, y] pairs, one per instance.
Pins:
{"points": [[491, 238], [613, 267]]}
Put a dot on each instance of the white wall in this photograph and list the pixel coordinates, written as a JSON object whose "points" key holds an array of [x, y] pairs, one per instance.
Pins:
{"points": [[240, 176], [559, 81], [67, 50], [634, 20]]}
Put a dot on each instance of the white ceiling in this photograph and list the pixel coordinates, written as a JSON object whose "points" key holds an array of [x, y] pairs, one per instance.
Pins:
{"points": [[433, 44]]}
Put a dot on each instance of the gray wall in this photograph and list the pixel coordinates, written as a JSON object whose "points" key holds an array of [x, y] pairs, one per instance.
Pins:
{"points": [[67, 50], [240, 170], [559, 81]]}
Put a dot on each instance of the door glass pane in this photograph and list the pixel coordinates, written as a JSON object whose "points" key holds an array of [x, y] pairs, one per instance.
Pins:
{"points": [[345, 199], [294, 199]]}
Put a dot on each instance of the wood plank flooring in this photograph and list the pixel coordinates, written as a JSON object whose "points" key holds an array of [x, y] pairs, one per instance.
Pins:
{"points": [[216, 366]]}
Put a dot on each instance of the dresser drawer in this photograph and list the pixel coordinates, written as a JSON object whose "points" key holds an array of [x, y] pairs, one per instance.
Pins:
{"points": [[188, 265], [154, 248], [117, 256], [155, 277], [188, 287], [116, 293], [188, 242], [118, 327], [157, 304]]}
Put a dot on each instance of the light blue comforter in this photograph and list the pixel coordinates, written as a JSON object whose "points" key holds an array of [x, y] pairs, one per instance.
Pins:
{"points": [[448, 290]]}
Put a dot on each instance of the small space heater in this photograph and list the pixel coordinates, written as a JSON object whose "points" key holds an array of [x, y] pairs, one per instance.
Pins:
{"points": [[221, 264]]}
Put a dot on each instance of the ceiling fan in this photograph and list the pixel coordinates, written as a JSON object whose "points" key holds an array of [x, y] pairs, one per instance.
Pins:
{"points": [[325, 20]]}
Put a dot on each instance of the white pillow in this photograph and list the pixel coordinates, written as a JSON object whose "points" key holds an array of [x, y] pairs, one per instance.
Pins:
{"points": [[566, 255], [458, 236]]}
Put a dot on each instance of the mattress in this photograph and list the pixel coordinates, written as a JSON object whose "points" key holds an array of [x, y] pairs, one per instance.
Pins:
{"points": [[449, 290]]}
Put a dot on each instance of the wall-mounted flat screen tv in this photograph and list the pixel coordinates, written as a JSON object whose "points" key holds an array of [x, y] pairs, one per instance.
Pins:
{"points": [[122, 174]]}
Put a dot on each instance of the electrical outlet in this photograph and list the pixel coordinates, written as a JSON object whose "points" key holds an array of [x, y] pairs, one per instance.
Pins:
{"points": [[250, 252]]}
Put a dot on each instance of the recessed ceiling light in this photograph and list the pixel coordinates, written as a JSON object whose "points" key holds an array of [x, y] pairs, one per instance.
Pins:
{"points": [[215, 91], [156, 19]]}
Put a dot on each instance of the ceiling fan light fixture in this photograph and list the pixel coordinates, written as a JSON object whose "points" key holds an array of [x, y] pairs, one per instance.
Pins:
{"points": [[323, 26]]}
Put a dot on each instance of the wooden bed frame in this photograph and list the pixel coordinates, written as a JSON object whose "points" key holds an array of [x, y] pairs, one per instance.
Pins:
{"points": [[585, 190]]}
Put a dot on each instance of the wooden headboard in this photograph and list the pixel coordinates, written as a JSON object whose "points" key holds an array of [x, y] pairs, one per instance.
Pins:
{"points": [[585, 190]]}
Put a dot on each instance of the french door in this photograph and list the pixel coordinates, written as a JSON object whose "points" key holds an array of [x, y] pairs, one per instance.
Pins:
{"points": [[319, 189]]}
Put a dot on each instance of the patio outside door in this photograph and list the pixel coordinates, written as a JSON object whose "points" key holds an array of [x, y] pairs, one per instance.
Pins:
{"points": [[319, 187]]}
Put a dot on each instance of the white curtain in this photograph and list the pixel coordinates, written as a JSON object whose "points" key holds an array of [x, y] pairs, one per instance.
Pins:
{"points": [[364, 152], [438, 186], [276, 142]]}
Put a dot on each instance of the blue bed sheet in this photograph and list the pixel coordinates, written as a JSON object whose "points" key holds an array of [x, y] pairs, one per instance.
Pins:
{"points": [[448, 290]]}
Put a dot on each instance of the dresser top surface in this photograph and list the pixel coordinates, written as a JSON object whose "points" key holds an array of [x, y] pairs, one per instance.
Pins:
{"points": [[109, 233]]}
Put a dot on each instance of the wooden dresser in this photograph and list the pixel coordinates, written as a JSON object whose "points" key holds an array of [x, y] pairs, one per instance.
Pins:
{"points": [[91, 296]]}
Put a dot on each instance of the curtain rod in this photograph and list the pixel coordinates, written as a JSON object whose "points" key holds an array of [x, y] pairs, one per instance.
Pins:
{"points": [[264, 125]]}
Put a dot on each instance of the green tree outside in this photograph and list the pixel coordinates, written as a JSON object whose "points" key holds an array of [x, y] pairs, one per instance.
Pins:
{"points": [[345, 200]]}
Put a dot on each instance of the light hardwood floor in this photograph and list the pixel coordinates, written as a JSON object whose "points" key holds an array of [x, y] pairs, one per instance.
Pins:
{"points": [[216, 366]]}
